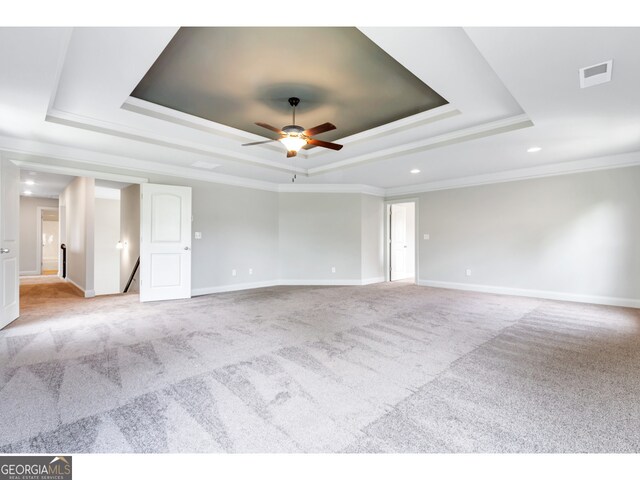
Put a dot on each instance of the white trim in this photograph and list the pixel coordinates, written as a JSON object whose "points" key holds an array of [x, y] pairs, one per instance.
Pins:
{"points": [[330, 188], [76, 172], [544, 294], [39, 211], [430, 116], [30, 273], [126, 163], [145, 136], [195, 292], [87, 293], [291, 282], [66, 40], [96, 159], [143, 107], [321, 282], [387, 240], [565, 168], [160, 112], [465, 134]]}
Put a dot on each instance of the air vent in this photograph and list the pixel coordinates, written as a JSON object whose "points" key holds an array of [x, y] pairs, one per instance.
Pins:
{"points": [[595, 74], [205, 165]]}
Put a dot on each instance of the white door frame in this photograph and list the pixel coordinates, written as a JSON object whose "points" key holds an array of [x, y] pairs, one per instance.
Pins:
{"points": [[387, 236], [39, 211], [160, 280], [73, 172], [10, 242]]}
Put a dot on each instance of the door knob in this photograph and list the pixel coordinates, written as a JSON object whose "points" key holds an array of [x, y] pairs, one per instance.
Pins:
{"points": [[187, 248], [4, 250]]}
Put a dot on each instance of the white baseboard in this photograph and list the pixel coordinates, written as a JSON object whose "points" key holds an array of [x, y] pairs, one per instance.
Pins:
{"points": [[522, 292], [321, 282], [87, 293], [274, 283], [232, 288], [29, 273]]}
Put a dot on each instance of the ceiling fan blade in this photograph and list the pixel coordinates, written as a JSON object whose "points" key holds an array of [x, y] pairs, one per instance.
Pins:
{"points": [[325, 127], [291, 153], [322, 143], [258, 143], [269, 127]]}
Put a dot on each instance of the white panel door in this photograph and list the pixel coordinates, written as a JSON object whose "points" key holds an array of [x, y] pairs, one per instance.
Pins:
{"points": [[165, 242], [399, 242], [9, 228]]}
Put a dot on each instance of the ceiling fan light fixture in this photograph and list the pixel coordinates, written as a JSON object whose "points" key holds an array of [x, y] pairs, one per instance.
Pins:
{"points": [[293, 143], [294, 137]]}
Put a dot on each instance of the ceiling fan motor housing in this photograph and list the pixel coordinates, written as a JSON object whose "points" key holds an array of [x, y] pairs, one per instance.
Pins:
{"points": [[293, 129]]}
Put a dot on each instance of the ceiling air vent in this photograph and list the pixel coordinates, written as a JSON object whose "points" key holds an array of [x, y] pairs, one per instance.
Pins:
{"points": [[205, 165], [595, 74]]}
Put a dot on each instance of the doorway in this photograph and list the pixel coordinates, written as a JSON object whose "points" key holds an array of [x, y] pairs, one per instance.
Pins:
{"points": [[48, 238], [401, 236]]}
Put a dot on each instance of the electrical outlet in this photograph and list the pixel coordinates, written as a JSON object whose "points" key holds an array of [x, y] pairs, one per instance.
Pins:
{"points": [[251, 271], [468, 272], [333, 269], [198, 235], [426, 236], [233, 272]]}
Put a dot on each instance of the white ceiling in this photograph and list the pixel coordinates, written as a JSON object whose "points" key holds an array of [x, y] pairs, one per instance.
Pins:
{"points": [[47, 185], [64, 96]]}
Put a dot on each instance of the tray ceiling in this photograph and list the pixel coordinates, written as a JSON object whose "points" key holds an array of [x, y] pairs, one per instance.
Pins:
{"points": [[236, 76]]}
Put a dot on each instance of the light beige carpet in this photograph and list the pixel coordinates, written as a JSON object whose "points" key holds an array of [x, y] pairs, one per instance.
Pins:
{"points": [[382, 368]]}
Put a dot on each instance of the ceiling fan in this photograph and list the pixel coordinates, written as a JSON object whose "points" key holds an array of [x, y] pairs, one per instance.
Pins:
{"points": [[294, 137]]}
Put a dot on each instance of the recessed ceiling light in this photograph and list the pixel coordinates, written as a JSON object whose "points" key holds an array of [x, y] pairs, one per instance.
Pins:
{"points": [[30, 182], [534, 149], [415, 170], [27, 192]]}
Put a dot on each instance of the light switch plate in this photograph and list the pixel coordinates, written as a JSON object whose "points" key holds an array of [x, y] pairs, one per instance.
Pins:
{"points": [[233, 272], [426, 236], [198, 235], [468, 272]]}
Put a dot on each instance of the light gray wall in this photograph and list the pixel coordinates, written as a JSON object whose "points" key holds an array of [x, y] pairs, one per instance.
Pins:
{"points": [[106, 256], [239, 229], [576, 234], [129, 233], [78, 202], [29, 242], [372, 238], [319, 231]]}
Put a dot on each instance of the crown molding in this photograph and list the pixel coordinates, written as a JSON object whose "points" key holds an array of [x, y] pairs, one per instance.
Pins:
{"points": [[21, 150], [23, 153], [331, 188], [160, 112], [109, 128], [430, 116], [177, 117], [478, 131], [578, 166], [48, 168]]}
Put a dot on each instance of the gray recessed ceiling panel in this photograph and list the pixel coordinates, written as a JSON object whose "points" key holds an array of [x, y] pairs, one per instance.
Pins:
{"points": [[240, 75]]}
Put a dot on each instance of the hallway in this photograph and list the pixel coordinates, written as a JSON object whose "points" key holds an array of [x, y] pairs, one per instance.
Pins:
{"points": [[42, 291]]}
